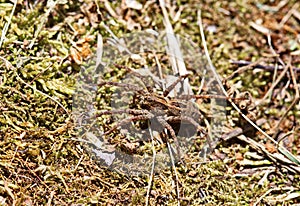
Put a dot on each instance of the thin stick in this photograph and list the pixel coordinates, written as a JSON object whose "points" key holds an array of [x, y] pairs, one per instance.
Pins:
{"points": [[175, 172], [244, 68], [289, 155], [6, 26], [260, 66], [276, 82], [209, 96], [159, 71], [211, 66], [173, 85], [153, 165], [43, 20], [276, 69], [99, 50], [288, 15], [39, 74], [296, 99], [273, 51], [173, 48], [178, 66]]}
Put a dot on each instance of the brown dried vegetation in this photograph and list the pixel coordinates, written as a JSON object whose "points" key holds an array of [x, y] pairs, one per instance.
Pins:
{"points": [[46, 45]]}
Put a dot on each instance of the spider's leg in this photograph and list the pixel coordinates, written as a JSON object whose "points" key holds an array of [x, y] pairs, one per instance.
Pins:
{"points": [[128, 120], [173, 85], [193, 122], [123, 111], [166, 125], [188, 119]]}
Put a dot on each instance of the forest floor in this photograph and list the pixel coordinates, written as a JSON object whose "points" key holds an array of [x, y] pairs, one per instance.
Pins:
{"points": [[46, 47]]}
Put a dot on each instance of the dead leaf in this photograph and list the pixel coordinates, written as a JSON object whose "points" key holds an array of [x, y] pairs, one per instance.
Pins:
{"points": [[270, 147], [75, 56], [132, 4], [239, 156]]}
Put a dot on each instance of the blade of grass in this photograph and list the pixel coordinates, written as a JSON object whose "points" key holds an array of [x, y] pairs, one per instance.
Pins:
{"points": [[289, 155], [6, 26], [173, 48]]}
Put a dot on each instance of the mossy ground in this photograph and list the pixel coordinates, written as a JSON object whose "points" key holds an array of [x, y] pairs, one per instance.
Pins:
{"points": [[41, 56]]}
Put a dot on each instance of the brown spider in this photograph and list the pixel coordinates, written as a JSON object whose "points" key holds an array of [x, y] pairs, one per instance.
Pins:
{"points": [[155, 108]]}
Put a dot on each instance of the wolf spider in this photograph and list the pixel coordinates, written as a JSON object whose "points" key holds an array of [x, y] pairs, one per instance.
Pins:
{"points": [[155, 107]]}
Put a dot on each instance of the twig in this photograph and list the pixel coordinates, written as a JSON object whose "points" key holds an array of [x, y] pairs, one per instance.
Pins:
{"points": [[243, 68], [283, 159], [153, 165], [259, 66], [173, 48], [287, 154], [238, 133], [276, 82], [288, 15], [39, 74], [6, 26], [273, 51], [228, 136], [271, 190], [43, 20], [175, 171], [211, 66], [99, 50], [296, 99]]}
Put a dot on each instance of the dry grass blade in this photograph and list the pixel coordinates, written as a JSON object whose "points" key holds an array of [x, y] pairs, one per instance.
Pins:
{"points": [[288, 15], [276, 82], [172, 48], [296, 99], [43, 21], [99, 50], [175, 55], [175, 172], [152, 168], [244, 68], [282, 149], [276, 189], [6, 26], [259, 28], [243, 63], [211, 66], [296, 14], [274, 157]]}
